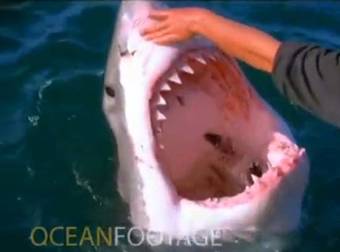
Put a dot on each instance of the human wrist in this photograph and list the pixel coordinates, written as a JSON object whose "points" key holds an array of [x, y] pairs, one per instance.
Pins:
{"points": [[195, 24]]}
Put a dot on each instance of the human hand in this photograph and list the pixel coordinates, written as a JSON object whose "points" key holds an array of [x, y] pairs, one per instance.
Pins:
{"points": [[171, 26]]}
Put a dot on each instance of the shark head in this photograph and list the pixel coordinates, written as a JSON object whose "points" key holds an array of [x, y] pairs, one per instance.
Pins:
{"points": [[198, 148]]}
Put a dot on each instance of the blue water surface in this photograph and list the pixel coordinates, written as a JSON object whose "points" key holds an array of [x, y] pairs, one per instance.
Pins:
{"points": [[58, 162]]}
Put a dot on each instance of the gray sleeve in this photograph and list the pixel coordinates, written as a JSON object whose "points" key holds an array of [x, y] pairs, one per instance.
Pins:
{"points": [[309, 76]]}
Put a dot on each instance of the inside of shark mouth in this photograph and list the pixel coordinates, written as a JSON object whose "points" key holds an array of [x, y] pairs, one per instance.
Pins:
{"points": [[213, 138]]}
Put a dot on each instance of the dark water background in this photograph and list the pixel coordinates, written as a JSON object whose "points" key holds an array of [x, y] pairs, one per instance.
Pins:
{"points": [[57, 158]]}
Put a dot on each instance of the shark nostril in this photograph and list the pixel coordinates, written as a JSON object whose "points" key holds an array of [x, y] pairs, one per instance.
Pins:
{"points": [[110, 92]]}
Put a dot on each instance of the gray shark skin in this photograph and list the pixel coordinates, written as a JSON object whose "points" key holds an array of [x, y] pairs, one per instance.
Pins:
{"points": [[198, 148]]}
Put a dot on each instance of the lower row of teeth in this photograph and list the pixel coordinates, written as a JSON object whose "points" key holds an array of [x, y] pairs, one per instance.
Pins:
{"points": [[174, 78]]}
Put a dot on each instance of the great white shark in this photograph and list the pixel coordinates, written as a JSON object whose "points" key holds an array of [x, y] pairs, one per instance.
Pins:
{"points": [[198, 148]]}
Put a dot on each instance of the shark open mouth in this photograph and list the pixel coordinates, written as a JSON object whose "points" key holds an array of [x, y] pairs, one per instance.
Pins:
{"points": [[213, 138]]}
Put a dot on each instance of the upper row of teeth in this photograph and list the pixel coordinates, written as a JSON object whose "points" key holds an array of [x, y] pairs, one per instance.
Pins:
{"points": [[174, 78]]}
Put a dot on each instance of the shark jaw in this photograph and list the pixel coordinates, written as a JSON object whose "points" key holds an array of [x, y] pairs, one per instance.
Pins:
{"points": [[198, 149], [194, 107]]}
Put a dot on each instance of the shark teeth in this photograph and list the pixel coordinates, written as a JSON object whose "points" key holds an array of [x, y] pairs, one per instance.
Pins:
{"points": [[166, 87], [161, 101], [214, 200], [159, 130], [255, 178], [160, 116], [175, 78], [269, 165], [187, 69], [201, 60], [212, 57]]}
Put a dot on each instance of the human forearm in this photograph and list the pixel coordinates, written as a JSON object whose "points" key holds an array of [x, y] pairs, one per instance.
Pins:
{"points": [[248, 44]]}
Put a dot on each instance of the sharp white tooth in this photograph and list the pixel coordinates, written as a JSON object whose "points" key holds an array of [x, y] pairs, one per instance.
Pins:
{"points": [[269, 165], [211, 56], [214, 200], [159, 130], [254, 178], [166, 87], [175, 78], [201, 60], [161, 101], [160, 116], [187, 69]]}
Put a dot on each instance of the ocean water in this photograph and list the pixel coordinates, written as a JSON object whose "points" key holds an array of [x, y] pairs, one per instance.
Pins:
{"points": [[57, 157]]}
